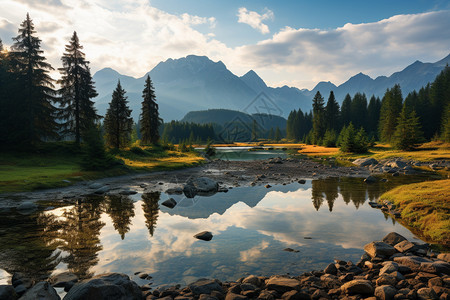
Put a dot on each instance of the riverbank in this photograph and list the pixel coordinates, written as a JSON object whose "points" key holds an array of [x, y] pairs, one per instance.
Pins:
{"points": [[393, 268], [424, 206], [59, 165]]}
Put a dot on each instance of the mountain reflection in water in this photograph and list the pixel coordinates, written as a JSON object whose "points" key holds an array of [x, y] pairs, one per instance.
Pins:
{"points": [[251, 227]]}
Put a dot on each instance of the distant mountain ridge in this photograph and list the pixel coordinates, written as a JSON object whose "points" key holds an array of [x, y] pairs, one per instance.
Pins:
{"points": [[196, 83]]}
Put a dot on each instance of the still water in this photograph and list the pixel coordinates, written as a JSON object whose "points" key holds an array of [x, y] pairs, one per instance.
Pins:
{"points": [[251, 226], [248, 153]]}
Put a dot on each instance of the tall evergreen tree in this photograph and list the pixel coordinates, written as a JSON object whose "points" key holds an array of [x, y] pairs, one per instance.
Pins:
{"points": [[77, 90], [408, 133], [149, 118], [373, 115], [118, 122], [346, 110], [36, 112], [359, 110], [277, 134], [332, 113], [319, 125], [391, 107]]}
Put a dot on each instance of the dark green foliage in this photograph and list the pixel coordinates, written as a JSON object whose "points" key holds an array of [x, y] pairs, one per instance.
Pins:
{"points": [[277, 134], [118, 122], [330, 138], [210, 150], [346, 110], [77, 90], [175, 132], [319, 125], [408, 134], [446, 125], [95, 157], [373, 116], [149, 118], [391, 106], [359, 110], [332, 113], [352, 141], [33, 110], [254, 131], [271, 134], [298, 125]]}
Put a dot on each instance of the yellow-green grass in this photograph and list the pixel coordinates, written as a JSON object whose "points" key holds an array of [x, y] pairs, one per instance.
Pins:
{"points": [[61, 167], [425, 207]]}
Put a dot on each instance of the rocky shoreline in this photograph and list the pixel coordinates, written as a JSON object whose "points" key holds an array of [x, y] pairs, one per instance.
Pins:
{"points": [[228, 174], [393, 268]]}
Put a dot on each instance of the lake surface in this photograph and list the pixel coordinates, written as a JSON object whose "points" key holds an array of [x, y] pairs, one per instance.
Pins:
{"points": [[251, 227]]}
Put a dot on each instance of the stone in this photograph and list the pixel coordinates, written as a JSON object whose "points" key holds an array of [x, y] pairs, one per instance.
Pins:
{"points": [[444, 257], [393, 238], [95, 186], [102, 190], [302, 181], [437, 281], [388, 267], [413, 262], [426, 294], [404, 246], [62, 279], [291, 250], [252, 279], [385, 292], [232, 296], [282, 284], [206, 297], [42, 290], [295, 295], [386, 279], [204, 235], [170, 203], [267, 186], [27, 208], [363, 162], [174, 191], [435, 267], [205, 286], [105, 286], [357, 286], [7, 292], [128, 192], [379, 249], [267, 295], [397, 164], [248, 287], [201, 185], [370, 179], [331, 269]]}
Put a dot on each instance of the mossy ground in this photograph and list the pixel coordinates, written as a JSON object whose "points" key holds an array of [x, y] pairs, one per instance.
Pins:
{"points": [[425, 206], [58, 165]]}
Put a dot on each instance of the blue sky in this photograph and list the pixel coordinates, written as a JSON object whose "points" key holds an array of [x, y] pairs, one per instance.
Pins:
{"points": [[295, 43]]}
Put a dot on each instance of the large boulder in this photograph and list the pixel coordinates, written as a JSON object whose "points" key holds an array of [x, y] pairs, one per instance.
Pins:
{"points": [[170, 203], [444, 257], [363, 162], [205, 286], [413, 262], [282, 284], [202, 186], [357, 286], [63, 279], [405, 246], [105, 286], [385, 292], [42, 290], [379, 249], [204, 235], [393, 238], [436, 267]]}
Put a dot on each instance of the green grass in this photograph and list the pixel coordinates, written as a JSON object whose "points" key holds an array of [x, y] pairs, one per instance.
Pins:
{"points": [[52, 164], [425, 206]]}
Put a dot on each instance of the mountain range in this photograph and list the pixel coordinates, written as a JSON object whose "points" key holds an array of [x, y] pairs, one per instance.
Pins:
{"points": [[197, 83]]}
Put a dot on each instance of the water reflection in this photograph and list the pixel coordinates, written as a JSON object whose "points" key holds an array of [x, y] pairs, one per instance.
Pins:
{"points": [[251, 227]]}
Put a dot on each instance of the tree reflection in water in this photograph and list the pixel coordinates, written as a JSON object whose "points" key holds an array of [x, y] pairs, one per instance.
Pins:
{"points": [[121, 211], [150, 207]]}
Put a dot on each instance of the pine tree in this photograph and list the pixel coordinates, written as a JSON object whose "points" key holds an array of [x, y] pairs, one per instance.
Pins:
{"points": [[408, 134], [347, 143], [319, 125], [346, 110], [118, 122], [359, 110], [391, 107], [446, 125], [36, 112], [77, 90], [271, 134], [149, 118], [277, 134], [332, 113], [254, 131], [373, 115]]}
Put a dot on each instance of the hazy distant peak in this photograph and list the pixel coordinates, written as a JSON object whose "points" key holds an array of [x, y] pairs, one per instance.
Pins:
{"points": [[107, 72], [254, 81], [444, 61]]}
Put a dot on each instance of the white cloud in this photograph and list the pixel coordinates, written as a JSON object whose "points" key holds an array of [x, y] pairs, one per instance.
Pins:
{"points": [[254, 19], [378, 48]]}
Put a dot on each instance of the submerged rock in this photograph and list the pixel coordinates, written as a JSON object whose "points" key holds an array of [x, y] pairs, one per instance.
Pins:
{"points": [[204, 235], [170, 203]]}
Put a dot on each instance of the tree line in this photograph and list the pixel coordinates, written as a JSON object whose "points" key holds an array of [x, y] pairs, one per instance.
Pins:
{"points": [[33, 110], [358, 123]]}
